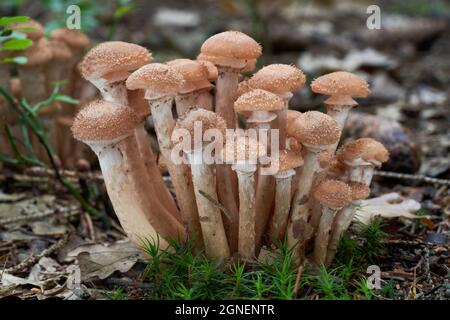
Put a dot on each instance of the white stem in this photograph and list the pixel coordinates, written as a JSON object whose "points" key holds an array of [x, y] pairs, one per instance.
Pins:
{"points": [[214, 237], [247, 213], [323, 235], [339, 114], [282, 207], [280, 124], [115, 92], [361, 174]]}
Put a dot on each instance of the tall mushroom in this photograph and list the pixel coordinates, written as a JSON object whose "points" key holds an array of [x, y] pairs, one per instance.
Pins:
{"points": [[344, 217], [108, 129], [333, 195], [342, 87], [230, 52], [204, 180], [205, 97], [288, 162], [243, 153], [107, 66], [56, 69], [361, 157], [161, 83], [195, 83], [316, 131]]}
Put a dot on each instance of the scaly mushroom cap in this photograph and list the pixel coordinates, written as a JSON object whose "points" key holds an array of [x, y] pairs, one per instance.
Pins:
{"points": [[258, 100], [250, 65], [243, 87], [113, 57], [136, 101], [294, 145], [359, 191], [230, 49], [37, 54], [159, 80], [73, 38], [60, 50], [278, 78], [242, 148], [333, 194], [103, 121], [336, 168], [213, 73], [208, 119], [341, 86], [315, 128], [324, 159], [291, 116], [194, 73], [35, 32], [289, 159], [366, 149]]}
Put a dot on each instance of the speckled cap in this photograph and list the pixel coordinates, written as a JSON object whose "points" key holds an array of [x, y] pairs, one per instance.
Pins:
{"points": [[333, 194], [324, 159], [243, 87], [38, 54], [336, 168], [289, 159], [366, 149], [195, 75], [315, 128], [136, 101], [291, 116], [73, 38], [341, 86], [159, 80], [258, 100], [60, 50], [231, 49], [103, 121], [213, 73], [278, 78], [113, 57], [35, 32], [359, 191]]}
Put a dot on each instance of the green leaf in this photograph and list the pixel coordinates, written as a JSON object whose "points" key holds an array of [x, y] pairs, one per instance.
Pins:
{"points": [[18, 60], [17, 44], [8, 20], [66, 99]]}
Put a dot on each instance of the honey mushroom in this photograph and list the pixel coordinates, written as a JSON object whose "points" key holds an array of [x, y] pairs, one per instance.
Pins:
{"points": [[205, 98], [161, 83], [108, 129], [204, 181], [333, 195]]}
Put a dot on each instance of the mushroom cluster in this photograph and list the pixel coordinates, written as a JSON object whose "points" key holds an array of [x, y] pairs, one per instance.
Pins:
{"points": [[238, 185]]}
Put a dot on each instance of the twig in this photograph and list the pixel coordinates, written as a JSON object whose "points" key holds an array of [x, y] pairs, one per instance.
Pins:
{"points": [[35, 258], [416, 177]]}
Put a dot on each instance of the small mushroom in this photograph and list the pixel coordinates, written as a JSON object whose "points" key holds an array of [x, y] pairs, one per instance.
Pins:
{"points": [[342, 87], [333, 195], [161, 83], [196, 83], [204, 181], [343, 219], [316, 132], [288, 162], [61, 55], [243, 153], [108, 129], [361, 157]]}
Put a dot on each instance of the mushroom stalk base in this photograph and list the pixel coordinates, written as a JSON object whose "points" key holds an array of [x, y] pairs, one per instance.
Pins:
{"points": [[340, 115], [282, 206], [215, 239], [247, 211], [323, 235]]}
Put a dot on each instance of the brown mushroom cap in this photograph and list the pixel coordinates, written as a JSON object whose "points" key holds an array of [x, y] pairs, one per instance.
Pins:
{"points": [[366, 149], [278, 78], [194, 73], [336, 168], [38, 54], [291, 116], [243, 87], [213, 73], [250, 65], [60, 50], [243, 148], [113, 57], [341, 83], [289, 159], [258, 100], [315, 128], [333, 194], [231, 44], [35, 32], [73, 38], [359, 191], [324, 159], [159, 80], [136, 101], [101, 120], [208, 119]]}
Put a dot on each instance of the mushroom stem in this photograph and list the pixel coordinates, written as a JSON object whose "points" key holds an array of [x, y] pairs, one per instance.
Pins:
{"points": [[340, 114], [205, 100], [361, 174], [4, 110], [247, 210], [299, 219], [216, 244], [323, 235], [280, 124], [226, 87], [112, 91], [32, 80], [127, 186], [164, 123], [282, 204], [341, 223], [184, 102]]}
